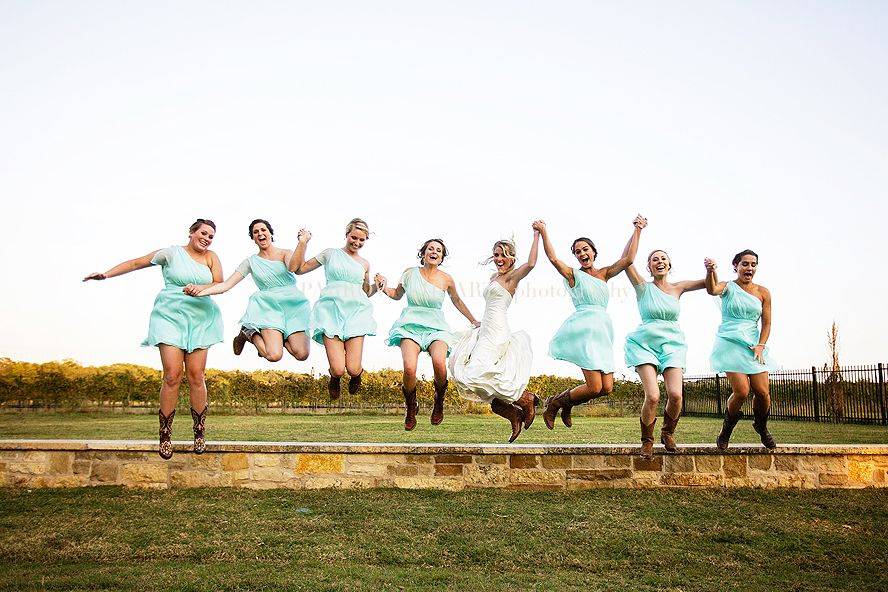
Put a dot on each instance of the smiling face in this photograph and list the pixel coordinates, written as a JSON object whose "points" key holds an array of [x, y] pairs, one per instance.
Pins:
{"points": [[746, 268], [659, 264], [201, 238], [354, 240], [261, 235], [585, 253], [502, 262], [433, 254]]}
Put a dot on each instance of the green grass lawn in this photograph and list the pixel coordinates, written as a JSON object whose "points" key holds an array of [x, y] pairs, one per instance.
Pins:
{"points": [[217, 539], [389, 428]]}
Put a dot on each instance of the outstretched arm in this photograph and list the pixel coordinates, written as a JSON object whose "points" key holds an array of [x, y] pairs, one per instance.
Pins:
{"points": [[690, 285], [713, 286], [298, 256], [381, 286], [460, 305], [562, 267], [125, 267], [629, 251], [759, 348], [222, 287], [520, 273]]}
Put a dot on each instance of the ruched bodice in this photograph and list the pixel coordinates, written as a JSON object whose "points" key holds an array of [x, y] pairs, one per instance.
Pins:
{"points": [[656, 305], [340, 267], [271, 274], [588, 290], [422, 320], [659, 340], [179, 269], [279, 304], [343, 310], [420, 291]]}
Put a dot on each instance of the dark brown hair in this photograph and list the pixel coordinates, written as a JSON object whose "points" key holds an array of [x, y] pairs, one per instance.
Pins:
{"points": [[651, 254], [426, 244], [261, 221], [588, 241], [200, 221], [736, 260]]}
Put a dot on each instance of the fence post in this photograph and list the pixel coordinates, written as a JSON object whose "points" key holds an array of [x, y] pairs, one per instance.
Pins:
{"points": [[718, 394], [814, 390], [882, 395]]}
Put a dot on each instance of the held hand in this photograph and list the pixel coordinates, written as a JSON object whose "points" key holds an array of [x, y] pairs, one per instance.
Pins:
{"points": [[758, 352], [476, 324], [191, 290], [380, 281], [640, 222], [95, 276], [303, 236], [709, 264], [539, 226]]}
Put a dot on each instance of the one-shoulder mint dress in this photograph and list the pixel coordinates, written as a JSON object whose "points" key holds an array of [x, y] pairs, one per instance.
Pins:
{"points": [[422, 320], [343, 310], [738, 332], [586, 338], [186, 322], [278, 304], [658, 340]]}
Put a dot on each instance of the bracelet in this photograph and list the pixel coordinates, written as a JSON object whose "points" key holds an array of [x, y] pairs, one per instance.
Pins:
{"points": [[760, 344]]}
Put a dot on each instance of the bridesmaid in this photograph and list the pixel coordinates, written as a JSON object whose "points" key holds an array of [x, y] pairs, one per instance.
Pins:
{"points": [[586, 337], [491, 364], [740, 347], [183, 328], [277, 315], [343, 314], [421, 326], [658, 346]]}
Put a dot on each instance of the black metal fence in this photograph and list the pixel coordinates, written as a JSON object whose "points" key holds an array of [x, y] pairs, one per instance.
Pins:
{"points": [[849, 394]]}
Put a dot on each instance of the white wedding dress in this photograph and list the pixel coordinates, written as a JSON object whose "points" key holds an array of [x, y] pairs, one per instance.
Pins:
{"points": [[490, 362]]}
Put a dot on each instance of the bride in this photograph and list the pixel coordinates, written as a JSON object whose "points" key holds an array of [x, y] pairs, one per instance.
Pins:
{"points": [[490, 364]]}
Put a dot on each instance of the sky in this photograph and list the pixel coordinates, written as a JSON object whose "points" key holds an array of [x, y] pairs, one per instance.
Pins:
{"points": [[728, 125]]}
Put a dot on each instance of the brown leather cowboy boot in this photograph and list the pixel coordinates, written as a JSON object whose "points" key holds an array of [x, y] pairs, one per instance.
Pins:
{"points": [[647, 438], [510, 412], [667, 438], [354, 383], [200, 420], [760, 425], [166, 434], [334, 388], [528, 403], [553, 405], [240, 340], [438, 409], [412, 408], [727, 427]]}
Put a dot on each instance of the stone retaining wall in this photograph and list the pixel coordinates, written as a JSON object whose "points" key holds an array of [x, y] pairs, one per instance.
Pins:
{"points": [[265, 465]]}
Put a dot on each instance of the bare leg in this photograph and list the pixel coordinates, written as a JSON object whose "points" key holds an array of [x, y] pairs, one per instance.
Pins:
{"points": [[739, 391], [648, 374], [354, 350], [335, 356], [173, 361], [673, 378], [410, 356], [195, 366], [438, 353], [298, 344], [273, 344], [761, 391]]}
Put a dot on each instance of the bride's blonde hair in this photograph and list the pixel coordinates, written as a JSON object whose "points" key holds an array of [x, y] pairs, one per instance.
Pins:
{"points": [[509, 251], [358, 224]]}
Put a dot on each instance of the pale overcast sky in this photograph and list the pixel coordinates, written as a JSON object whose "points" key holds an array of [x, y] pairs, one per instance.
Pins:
{"points": [[729, 125]]}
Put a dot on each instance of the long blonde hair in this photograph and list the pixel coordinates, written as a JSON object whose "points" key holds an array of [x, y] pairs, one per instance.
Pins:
{"points": [[509, 251], [357, 224]]}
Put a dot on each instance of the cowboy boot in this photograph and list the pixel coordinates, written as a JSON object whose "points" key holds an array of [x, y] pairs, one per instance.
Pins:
{"points": [[510, 412], [412, 408], [760, 425], [727, 427], [354, 383], [199, 420], [166, 434], [333, 387], [438, 409], [667, 432], [647, 439], [561, 401], [528, 403], [240, 340]]}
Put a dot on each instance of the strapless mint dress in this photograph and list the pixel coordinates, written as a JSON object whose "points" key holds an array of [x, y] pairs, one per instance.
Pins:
{"points": [[658, 340], [343, 310], [279, 304], [186, 322], [586, 338], [422, 320], [738, 332]]}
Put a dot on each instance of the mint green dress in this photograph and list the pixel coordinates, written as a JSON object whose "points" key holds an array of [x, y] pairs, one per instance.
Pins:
{"points": [[343, 310], [422, 320], [278, 304], [177, 319], [586, 338], [658, 340], [738, 332]]}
